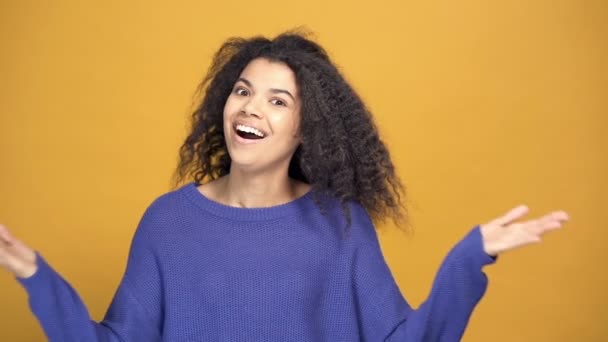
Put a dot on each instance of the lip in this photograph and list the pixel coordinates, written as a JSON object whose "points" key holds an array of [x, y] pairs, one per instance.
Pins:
{"points": [[238, 122], [244, 141]]}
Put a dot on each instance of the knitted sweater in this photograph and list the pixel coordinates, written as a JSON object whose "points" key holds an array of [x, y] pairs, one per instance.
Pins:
{"points": [[201, 271]]}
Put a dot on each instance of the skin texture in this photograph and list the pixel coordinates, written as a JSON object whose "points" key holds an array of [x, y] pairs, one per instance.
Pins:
{"points": [[505, 233], [255, 101], [264, 97]]}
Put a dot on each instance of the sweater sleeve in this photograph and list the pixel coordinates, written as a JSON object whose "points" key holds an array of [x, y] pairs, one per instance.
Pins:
{"points": [[135, 313], [444, 315]]}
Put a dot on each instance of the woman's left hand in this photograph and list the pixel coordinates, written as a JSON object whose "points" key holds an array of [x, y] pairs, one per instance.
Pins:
{"points": [[503, 234]]}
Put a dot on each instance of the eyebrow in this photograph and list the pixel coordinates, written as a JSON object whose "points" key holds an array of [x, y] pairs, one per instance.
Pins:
{"points": [[273, 90]]}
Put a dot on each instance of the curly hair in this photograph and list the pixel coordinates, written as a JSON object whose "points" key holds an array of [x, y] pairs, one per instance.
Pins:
{"points": [[341, 153]]}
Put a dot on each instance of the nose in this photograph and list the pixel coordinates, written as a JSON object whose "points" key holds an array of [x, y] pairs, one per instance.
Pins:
{"points": [[250, 107]]}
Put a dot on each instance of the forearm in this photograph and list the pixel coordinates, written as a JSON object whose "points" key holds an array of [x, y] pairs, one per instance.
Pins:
{"points": [[458, 287], [59, 309]]}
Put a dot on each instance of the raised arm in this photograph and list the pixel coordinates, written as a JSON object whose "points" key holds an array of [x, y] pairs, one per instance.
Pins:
{"points": [[135, 313], [458, 286]]}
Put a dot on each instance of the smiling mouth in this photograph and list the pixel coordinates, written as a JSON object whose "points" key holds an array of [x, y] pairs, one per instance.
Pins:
{"points": [[247, 132]]}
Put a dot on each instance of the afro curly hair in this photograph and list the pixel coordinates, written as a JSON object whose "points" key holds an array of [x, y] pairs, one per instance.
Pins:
{"points": [[341, 153]]}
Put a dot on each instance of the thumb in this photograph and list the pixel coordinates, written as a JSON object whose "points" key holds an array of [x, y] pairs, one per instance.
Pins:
{"points": [[512, 215]]}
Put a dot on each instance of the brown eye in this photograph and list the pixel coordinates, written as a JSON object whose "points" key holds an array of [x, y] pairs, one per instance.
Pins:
{"points": [[240, 91], [278, 102]]}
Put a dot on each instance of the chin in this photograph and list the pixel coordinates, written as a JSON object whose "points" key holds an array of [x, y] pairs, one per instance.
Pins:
{"points": [[251, 164], [244, 160]]}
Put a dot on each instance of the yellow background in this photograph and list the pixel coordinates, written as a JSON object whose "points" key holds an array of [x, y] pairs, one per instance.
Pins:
{"points": [[484, 105]]}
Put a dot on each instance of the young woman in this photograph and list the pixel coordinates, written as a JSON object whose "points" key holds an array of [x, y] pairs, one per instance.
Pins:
{"points": [[274, 238]]}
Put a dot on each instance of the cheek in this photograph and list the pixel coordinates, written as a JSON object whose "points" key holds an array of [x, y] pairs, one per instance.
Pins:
{"points": [[229, 106], [283, 124], [294, 126], [289, 122]]}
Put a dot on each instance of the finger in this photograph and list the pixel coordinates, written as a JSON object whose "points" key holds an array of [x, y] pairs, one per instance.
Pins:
{"points": [[540, 227], [552, 221], [16, 255], [5, 235], [512, 215], [10, 261], [7, 256], [544, 224], [560, 215]]}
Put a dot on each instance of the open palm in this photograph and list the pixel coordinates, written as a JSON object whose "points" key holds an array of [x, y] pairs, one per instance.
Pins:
{"points": [[503, 233]]}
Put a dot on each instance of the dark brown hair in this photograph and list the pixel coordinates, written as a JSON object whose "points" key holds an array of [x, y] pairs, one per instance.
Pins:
{"points": [[341, 153]]}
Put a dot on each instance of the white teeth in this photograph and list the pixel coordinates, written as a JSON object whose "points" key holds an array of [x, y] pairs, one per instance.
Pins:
{"points": [[250, 130]]}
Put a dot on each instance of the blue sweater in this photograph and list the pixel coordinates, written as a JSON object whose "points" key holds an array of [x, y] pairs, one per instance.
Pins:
{"points": [[202, 271]]}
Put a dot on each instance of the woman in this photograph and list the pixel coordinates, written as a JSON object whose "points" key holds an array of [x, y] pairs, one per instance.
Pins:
{"points": [[274, 240]]}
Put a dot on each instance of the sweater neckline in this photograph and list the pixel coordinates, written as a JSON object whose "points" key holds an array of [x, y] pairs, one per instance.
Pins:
{"points": [[293, 207]]}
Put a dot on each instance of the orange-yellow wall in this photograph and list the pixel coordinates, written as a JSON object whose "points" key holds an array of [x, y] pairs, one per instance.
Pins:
{"points": [[484, 105]]}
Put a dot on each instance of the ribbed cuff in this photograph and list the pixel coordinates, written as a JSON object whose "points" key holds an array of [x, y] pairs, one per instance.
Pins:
{"points": [[472, 247], [39, 279]]}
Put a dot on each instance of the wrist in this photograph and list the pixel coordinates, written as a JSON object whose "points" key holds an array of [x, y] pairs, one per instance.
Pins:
{"points": [[26, 270]]}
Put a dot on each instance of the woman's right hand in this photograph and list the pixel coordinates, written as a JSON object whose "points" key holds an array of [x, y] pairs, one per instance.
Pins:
{"points": [[15, 256]]}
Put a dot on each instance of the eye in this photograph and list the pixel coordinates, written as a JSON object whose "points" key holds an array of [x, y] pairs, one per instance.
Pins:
{"points": [[241, 91], [279, 102]]}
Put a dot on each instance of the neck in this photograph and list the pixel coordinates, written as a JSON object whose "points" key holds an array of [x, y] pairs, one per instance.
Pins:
{"points": [[256, 190]]}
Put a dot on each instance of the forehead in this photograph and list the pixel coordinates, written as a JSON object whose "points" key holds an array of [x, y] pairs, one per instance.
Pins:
{"points": [[265, 74]]}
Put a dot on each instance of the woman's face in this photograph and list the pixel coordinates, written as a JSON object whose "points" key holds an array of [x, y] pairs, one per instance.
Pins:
{"points": [[262, 115]]}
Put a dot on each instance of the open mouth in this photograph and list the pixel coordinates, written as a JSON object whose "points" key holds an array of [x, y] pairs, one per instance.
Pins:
{"points": [[247, 132]]}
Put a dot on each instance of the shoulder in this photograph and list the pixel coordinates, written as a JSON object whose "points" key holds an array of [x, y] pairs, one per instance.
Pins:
{"points": [[168, 202], [361, 228], [163, 211], [362, 225]]}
